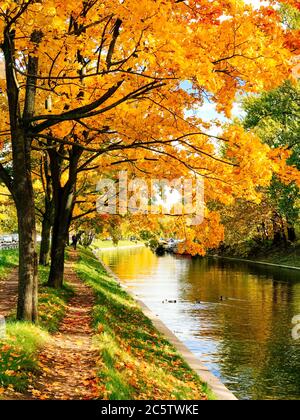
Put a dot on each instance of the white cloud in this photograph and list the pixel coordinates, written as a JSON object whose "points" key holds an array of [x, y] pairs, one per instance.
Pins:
{"points": [[256, 4]]}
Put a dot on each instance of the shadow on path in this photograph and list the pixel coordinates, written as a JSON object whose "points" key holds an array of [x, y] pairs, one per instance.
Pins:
{"points": [[9, 293]]}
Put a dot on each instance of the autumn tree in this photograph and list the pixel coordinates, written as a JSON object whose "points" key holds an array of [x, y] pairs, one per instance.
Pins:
{"points": [[275, 117], [105, 81]]}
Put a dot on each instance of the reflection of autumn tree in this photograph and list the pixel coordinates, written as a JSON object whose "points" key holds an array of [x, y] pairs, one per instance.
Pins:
{"points": [[211, 279], [251, 329], [130, 267]]}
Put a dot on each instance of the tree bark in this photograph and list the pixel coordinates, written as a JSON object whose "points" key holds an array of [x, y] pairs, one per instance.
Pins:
{"points": [[45, 240], [48, 215], [21, 183], [277, 229], [291, 231], [68, 237], [28, 281], [64, 198], [62, 217]]}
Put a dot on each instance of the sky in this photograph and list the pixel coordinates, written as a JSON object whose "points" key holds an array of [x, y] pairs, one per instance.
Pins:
{"points": [[207, 112], [257, 3]]}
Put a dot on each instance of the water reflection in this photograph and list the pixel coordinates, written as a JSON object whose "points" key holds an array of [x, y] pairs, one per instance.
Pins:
{"points": [[245, 338]]}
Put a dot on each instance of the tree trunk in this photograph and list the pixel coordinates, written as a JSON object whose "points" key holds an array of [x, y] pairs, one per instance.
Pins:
{"points": [[21, 184], [45, 241], [292, 237], [63, 198], [28, 281], [283, 235], [277, 229], [56, 274], [62, 218], [48, 215], [27, 300], [68, 238]]}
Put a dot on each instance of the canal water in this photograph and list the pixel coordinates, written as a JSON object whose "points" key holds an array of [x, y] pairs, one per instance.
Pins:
{"points": [[245, 337]]}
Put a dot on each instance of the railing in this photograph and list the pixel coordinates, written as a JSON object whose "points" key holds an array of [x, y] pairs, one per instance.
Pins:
{"points": [[9, 245]]}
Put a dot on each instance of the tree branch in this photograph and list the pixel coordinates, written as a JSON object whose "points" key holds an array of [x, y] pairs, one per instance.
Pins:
{"points": [[75, 114]]}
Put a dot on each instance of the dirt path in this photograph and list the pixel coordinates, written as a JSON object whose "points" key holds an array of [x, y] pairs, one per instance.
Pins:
{"points": [[8, 293], [68, 363]]}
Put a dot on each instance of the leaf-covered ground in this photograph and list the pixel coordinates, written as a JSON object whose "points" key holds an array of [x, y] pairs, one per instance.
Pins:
{"points": [[68, 361], [19, 350]]}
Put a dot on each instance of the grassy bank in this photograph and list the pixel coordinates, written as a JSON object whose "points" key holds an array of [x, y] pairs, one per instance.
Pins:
{"points": [[136, 361], [264, 252], [8, 261], [52, 303], [22, 342], [289, 256], [18, 353]]}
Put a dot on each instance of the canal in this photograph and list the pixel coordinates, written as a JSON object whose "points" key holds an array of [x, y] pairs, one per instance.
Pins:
{"points": [[235, 317]]}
